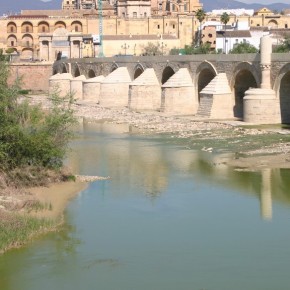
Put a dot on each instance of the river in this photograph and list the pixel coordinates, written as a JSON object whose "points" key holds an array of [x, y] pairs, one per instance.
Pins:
{"points": [[168, 218]]}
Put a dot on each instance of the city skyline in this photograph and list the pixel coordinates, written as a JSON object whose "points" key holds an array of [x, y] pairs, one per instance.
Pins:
{"points": [[13, 6]]}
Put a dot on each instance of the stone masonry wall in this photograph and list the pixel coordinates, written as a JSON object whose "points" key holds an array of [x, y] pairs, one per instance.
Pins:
{"points": [[34, 76]]}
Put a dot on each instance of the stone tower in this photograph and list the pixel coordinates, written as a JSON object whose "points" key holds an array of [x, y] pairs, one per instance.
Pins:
{"points": [[79, 4], [181, 7], [134, 8], [69, 4]]}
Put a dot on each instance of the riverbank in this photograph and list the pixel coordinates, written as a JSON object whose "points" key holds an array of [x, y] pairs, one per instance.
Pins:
{"points": [[28, 212], [255, 147]]}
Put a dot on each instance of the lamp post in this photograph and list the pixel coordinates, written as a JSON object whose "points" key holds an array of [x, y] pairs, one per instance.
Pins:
{"points": [[125, 46], [163, 45]]}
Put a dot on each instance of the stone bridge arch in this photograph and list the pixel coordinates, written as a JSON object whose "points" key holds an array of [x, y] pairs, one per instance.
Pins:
{"points": [[64, 68], [244, 76], [167, 73], [138, 70], [75, 70], [91, 73], [282, 89], [205, 72], [113, 67]]}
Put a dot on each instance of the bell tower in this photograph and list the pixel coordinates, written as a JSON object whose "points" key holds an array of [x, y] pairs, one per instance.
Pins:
{"points": [[69, 4]]}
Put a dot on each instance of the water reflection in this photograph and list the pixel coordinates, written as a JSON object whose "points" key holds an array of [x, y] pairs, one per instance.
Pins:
{"points": [[169, 218], [142, 162]]}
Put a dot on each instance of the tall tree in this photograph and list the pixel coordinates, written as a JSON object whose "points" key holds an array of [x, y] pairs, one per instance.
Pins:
{"points": [[200, 15], [225, 18]]}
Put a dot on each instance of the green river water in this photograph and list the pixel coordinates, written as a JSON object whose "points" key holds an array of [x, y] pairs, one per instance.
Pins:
{"points": [[169, 218]]}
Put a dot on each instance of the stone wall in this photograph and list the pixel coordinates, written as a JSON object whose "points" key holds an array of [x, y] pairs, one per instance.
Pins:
{"points": [[34, 76]]}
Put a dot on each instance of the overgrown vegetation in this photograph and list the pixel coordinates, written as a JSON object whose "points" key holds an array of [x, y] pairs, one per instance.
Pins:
{"points": [[33, 144], [243, 47], [17, 230], [283, 47], [152, 49], [30, 137], [204, 48]]}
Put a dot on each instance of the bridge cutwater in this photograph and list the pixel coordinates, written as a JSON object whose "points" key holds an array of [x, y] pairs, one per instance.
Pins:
{"points": [[254, 88]]}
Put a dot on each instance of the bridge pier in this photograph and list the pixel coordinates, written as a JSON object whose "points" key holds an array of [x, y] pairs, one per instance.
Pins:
{"points": [[178, 94], [145, 92], [114, 90], [91, 89], [261, 105], [60, 84], [76, 87], [216, 99]]}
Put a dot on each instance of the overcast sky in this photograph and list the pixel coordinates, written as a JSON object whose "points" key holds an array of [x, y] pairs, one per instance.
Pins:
{"points": [[264, 1]]}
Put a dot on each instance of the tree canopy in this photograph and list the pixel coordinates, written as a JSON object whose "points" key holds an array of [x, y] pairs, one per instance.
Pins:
{"points": [[284, 47], [29, 136], [243, 47]]}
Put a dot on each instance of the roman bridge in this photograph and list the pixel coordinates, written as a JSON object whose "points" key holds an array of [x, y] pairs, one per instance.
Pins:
{"points": [[251, 87]]}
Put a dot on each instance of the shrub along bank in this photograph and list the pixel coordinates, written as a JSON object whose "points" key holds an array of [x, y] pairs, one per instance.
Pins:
{"points": [[33, 144]]}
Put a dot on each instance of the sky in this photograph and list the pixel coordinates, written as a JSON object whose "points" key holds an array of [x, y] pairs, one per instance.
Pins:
{"points": [[264, 1]]}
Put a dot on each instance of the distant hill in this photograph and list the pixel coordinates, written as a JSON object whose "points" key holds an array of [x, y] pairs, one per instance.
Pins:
{"points": [[209, 5], [15, 6]]}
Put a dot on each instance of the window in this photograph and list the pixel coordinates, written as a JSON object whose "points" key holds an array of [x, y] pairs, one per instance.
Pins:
{"points": [[286, 25], [145, 14], [237, 41], [244, 40], [11, 29], [27, 43], [158, 26], [173, 26], [76, 28], [210, 35], [134, 14], [12, 43], [123, 14], [43, 28], [27, 28]]}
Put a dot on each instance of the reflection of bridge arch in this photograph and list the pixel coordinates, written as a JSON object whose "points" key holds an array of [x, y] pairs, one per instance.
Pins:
{"points": [[204, 74], [138, 70], [245, 76], [282, 88], [167, 73]]}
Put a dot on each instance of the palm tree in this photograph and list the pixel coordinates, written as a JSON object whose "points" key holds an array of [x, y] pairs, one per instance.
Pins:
{"points": [[200, 15], [225, 18]]}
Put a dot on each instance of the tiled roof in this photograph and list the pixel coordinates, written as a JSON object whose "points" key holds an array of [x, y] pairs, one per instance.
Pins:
{"points": [[233, 33]]}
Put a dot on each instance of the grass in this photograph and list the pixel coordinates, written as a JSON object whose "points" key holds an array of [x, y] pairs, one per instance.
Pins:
{"points": [[36, 205], [16, 230]]}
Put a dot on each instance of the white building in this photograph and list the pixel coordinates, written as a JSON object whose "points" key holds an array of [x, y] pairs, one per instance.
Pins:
{"points": [[226, 40]]}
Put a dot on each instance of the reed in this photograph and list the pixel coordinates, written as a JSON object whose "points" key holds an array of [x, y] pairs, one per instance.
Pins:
{"points": [[16, 230]]}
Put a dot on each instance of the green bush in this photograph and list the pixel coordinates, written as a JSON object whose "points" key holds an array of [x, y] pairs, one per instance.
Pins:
{"points": [[28, 135]]}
